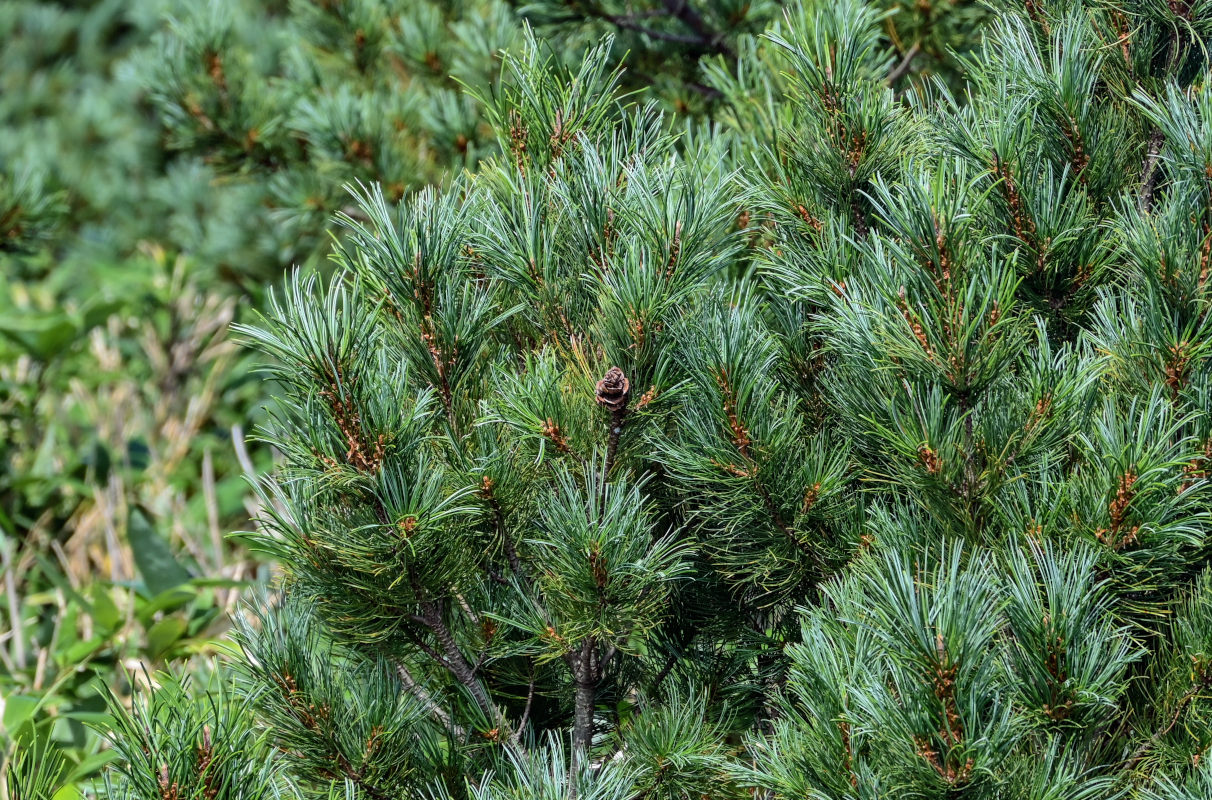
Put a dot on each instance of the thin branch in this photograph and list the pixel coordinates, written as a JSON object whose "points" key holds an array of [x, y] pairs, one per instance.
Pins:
{"points": [[517, 734], [629, 24], [462, 670], [1152, 741], [356, 776], [507, 543], [777, 520], [703, 38], [902, 68], [691, 18], [427, 700], [495, 576], [423, 645], [709, 92], [617, 417], [670, 660]]}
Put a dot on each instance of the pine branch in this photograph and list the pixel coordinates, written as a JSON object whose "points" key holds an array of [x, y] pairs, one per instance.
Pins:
{"points": [[428, 700], [702, 38], [712, 40], [612, 445], [507, 542], [454, 660], [525, 719], [1150, 172], [1158, 735], [902, 68], [586, 677]]}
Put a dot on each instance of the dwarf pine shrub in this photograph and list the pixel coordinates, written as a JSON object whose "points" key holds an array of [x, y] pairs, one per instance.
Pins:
{"points": [[853, 445]]}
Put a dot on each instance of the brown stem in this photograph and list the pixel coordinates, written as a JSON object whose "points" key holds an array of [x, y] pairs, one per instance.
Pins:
{"points": [[457, 662], [424, 646], [690, 17], [860, 219], [450, 657], [902, 68], [586, 677], [777, 520], [612, 444], [702, 38], [631, 23], [508, 545], [670, 661], [517, 734], [355, 775]]}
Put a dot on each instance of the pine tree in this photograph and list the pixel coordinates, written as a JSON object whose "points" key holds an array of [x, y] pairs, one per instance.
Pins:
{"points": [[856, 446]]}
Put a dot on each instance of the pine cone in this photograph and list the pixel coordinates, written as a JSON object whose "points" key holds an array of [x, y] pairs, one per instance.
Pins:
{"points": [[613, 390]]}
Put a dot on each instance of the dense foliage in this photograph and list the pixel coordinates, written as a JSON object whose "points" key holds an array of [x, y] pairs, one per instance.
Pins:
{"points": [[851, 443], [162, 163]]}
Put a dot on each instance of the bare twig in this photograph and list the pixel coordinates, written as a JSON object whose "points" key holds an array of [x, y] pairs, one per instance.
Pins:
{"points": [[702, 37], [517, 734], [902, 68], [418, 691], [689, 16]]}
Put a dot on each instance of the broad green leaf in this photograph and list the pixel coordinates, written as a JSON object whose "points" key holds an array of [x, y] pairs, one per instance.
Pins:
{"points": [[165, 601], [163, 635], [19, 709], [80, 651], [95, 312], [43, 336], [159, 568], [91, 765], [105, 611]]}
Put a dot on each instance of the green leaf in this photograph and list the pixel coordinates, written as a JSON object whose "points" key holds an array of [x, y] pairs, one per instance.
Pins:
{"points": [[80, 651], [18, 710], [167, 601], [91, 765], [42, 337], [163, 635], [160, 569], [219, 583], [105, 611], [97, 311], [51, 572]]}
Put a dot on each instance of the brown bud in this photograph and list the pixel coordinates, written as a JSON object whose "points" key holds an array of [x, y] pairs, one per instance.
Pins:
{"points": [[408, 525], [613, 390]]}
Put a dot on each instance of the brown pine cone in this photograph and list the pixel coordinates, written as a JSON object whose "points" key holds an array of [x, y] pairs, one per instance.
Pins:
{"points": [[613, 390]]}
